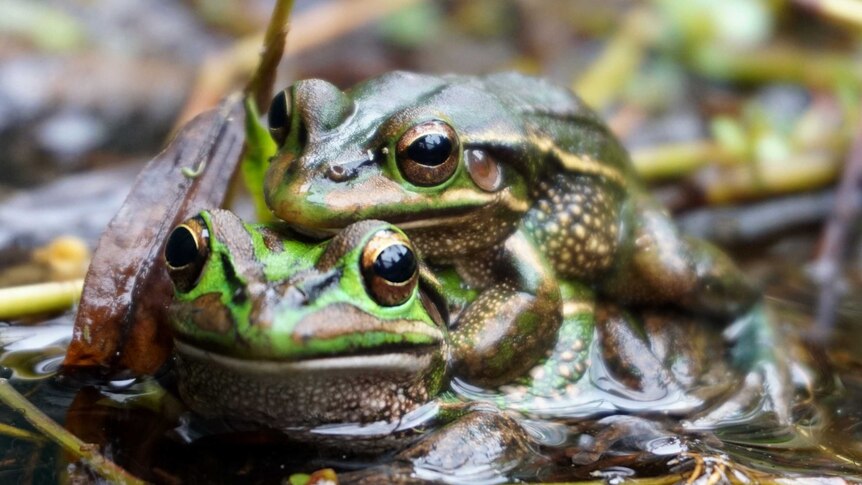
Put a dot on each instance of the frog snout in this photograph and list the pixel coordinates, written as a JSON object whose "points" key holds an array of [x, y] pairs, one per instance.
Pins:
{"points": [[308, 289]]}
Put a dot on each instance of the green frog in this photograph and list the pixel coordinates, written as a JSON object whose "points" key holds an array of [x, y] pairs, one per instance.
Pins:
{"points": [[345, 344], [508, 179], [341, 343], [357, 316]]}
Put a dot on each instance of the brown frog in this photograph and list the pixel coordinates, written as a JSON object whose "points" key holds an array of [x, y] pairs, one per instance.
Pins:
{"points": [[509, 179]]}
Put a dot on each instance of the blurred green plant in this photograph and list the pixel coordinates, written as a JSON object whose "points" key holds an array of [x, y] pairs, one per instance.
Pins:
{"points": [[47, 28]]}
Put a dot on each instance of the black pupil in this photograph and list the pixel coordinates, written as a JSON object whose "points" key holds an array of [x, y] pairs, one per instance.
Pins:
{"points": [[395, 264], [277, 116], [431, 149], [181, 248]]}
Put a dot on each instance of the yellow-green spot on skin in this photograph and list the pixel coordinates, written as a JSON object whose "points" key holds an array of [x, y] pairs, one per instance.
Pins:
{"points": [[574, 291], [527, 323]]}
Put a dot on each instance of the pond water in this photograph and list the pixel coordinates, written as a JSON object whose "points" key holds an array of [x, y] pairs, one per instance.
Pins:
{"points": [[142, 426]]}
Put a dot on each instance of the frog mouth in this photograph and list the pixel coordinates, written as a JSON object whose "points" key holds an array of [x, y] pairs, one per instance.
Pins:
{"points": [[432, 218], [347, 327], [404, 361]]}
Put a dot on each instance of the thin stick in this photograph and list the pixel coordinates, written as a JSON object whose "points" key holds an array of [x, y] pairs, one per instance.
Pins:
{"points": [[69, 442], [833, 243], [849, 11], [260, 85], [311, 28], [26, 300], [18, 433], [675, 160], [606, 77]]}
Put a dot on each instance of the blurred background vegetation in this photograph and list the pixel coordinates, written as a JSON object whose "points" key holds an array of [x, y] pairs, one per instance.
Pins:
{"points": [[740, 114]]}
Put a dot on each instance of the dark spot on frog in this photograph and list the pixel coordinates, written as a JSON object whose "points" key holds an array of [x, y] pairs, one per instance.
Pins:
{"points": [[209, 314], [239, 294], [306, 288], [272, 240]]}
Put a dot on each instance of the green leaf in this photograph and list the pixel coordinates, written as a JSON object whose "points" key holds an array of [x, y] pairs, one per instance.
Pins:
{"points": [[259, 149]]}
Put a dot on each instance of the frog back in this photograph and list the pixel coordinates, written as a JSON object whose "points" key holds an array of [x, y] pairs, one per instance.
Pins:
{"points": [[583, 176]]}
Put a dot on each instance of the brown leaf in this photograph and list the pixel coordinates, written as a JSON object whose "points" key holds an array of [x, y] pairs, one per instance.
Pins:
{"points": [[120, 324]]}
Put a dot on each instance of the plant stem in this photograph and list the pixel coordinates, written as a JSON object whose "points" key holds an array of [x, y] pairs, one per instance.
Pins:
{"points": [[603, 81], [259, 87], [675, 160], [17, 433], [827, 269], [26, 300], [69, 442], [849, 11], [311, 28]]}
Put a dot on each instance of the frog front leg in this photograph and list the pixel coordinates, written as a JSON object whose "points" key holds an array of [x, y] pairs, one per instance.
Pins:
{"points": [[657, 264], [511, 324]]}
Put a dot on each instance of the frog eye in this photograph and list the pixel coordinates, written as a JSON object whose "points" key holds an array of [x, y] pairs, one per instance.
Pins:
{"points": [[278, 117], [428, 153], [389, 267], [186, 253]]}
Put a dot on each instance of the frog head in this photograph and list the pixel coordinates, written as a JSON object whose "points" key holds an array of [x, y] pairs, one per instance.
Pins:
{"points": [[300, 333], [447, 158]]}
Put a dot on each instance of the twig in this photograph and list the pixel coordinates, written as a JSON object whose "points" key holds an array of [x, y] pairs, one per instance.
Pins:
{"points": [[757, 221], [826, 270], [19, 301], [602, 82], [260, 85], [763, 178], [69, 442], [675, 160], [849, 11], [309, 29], [775, 63], [17, 433]]}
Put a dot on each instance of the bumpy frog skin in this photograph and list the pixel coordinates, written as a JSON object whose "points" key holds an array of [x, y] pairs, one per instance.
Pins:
{"points": [[279, 331], [508, 178], [304, 337], [291, 334]]}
